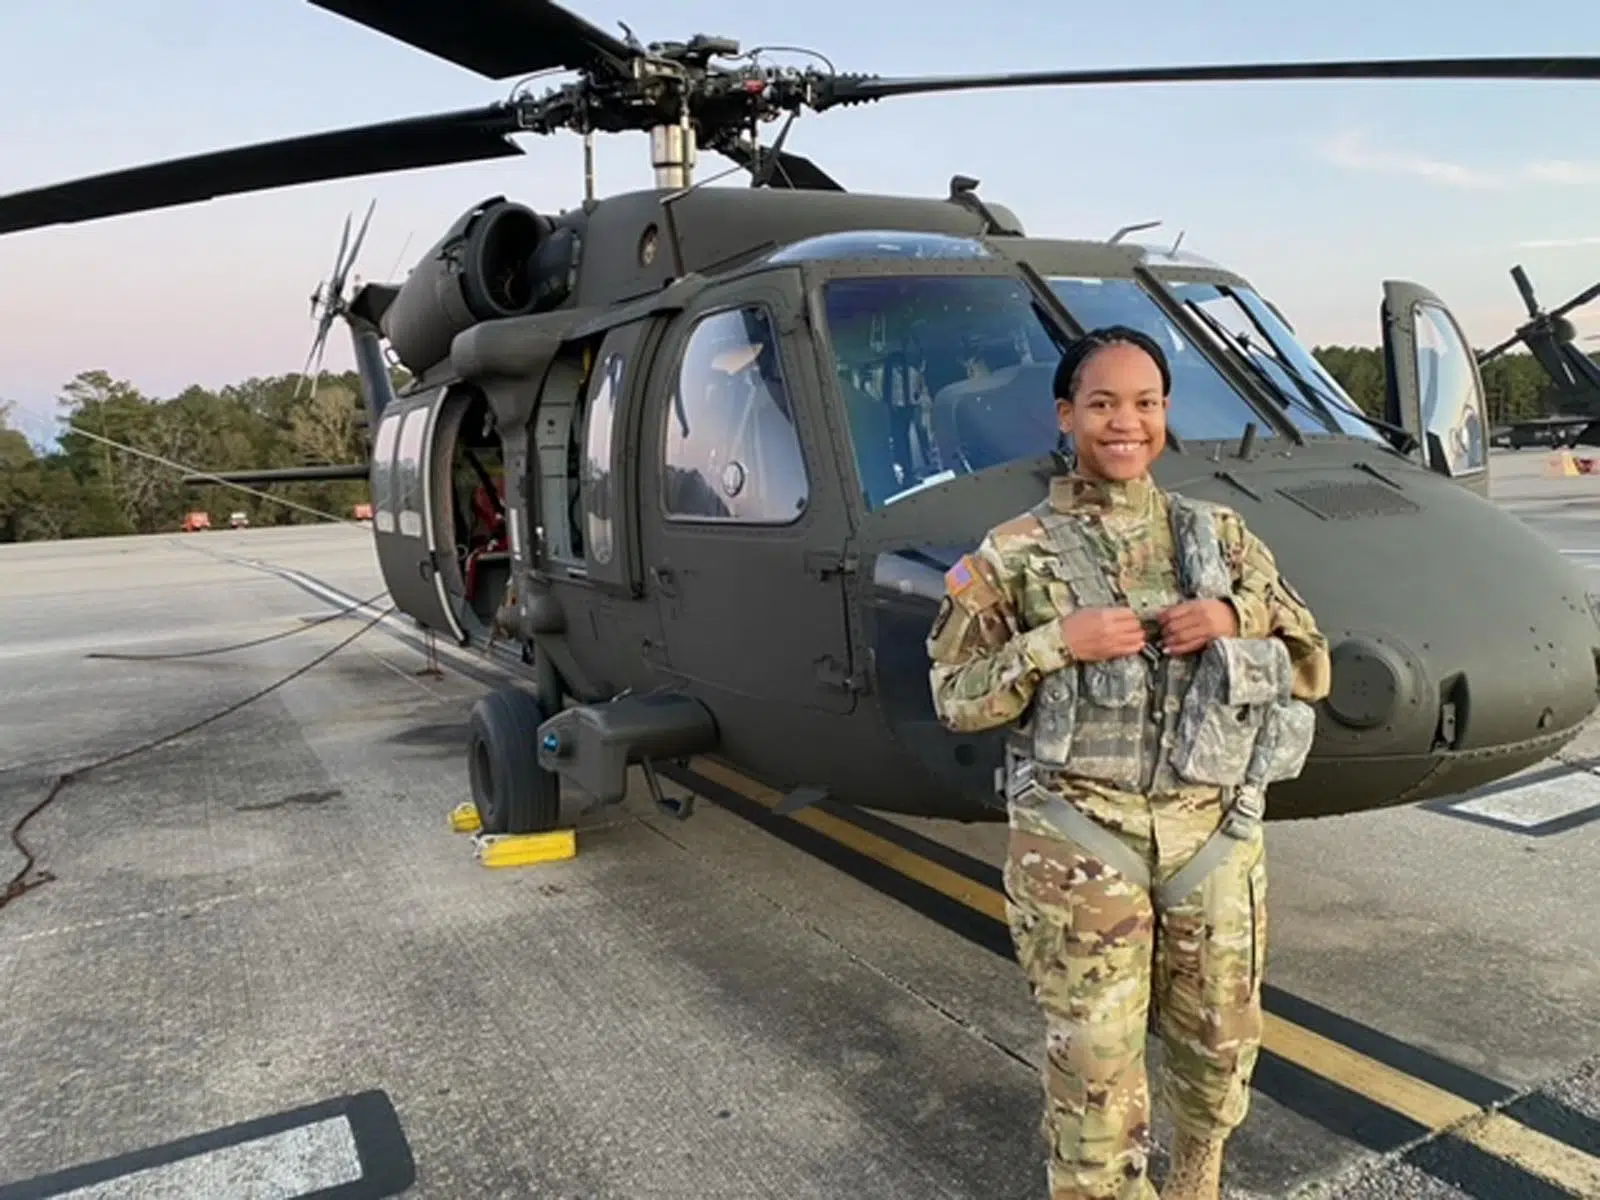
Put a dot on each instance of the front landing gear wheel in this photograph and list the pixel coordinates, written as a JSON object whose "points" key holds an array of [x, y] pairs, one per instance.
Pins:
{"points": [[512, 792]]}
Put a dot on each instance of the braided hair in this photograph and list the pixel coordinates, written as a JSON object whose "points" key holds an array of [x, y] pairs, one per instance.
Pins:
{"points": [[1077, 356], [1069, 372]]}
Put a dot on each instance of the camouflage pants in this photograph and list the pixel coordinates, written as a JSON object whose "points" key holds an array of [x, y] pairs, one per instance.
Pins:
{"points": [[1098, 958]]}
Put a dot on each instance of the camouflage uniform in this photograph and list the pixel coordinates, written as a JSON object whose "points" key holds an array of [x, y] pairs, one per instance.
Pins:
{"points": [[1092, 943]]}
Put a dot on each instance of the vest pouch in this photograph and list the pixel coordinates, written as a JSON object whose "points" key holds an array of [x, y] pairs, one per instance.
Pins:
{"points": [[1285, 741], [1109, 733], [1238, 682], [1115, 682], [1055, 715]]}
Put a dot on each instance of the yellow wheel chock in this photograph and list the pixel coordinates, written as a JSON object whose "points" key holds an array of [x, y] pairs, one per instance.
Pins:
{"points": [[525, 849], [512, 849]]}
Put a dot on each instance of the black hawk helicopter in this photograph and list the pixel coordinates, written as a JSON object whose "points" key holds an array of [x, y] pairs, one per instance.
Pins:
{"points": [[1552, 340], [728, 440]]}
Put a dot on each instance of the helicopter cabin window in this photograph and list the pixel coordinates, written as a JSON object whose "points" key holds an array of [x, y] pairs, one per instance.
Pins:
{"points": [[595, 476], [383, 506], [1447, 380], [408, 470], [731, 451], [1244, 324]]}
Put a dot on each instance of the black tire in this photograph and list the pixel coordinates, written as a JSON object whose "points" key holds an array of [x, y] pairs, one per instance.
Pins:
{"points": [[511, 791]]}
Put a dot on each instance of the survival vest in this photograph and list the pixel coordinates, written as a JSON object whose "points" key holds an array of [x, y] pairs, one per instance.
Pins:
{"points": [[1148, 722]]}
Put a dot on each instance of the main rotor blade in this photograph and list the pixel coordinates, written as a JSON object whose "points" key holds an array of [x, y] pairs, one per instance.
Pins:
{"points": [[1578, 301], [403, 145], [496, 38], [831, 92]]}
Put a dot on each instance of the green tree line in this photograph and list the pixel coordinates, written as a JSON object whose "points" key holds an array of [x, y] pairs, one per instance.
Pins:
{"points": [[83, 487], [1515, 386]]}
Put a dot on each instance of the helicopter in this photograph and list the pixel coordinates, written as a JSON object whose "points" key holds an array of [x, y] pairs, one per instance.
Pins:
{"points": [[726, 441], [1552, 339]]}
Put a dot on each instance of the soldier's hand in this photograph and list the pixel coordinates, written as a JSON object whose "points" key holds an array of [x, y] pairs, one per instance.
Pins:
{"points": [[1095, 634], [1194, 624]]}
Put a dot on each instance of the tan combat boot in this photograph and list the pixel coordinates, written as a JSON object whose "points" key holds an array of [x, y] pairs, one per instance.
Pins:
{"points": [[1196, 1171]]}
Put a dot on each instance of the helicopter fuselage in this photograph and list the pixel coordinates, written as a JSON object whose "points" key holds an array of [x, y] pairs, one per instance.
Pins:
{"points": [[739, 452]]}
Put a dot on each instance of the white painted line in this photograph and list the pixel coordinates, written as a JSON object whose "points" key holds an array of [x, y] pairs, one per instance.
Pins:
{"points": [[445, 647], [279, 1166], [1537, 802]]}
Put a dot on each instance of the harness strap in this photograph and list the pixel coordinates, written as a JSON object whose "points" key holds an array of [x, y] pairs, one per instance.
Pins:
{"points": [[1239, 822], [1078, 826]]}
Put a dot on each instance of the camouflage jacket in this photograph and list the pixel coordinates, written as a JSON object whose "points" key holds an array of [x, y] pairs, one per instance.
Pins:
{"points": [[998, 633]]}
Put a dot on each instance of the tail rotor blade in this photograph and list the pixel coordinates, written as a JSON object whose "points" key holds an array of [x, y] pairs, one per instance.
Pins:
{"points": [[342, 273], [331, 294], [344, 242]]}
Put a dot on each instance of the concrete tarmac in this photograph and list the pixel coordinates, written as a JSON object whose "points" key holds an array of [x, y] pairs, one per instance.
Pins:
{"points": [[271, 911]]}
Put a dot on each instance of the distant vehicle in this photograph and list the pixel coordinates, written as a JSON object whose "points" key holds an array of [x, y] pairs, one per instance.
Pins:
{"points": [[196, 521], [1547, 431], [239, 520], [362, 512]]}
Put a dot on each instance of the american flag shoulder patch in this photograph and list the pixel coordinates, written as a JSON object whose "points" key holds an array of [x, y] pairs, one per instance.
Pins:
{"points": [[961, 577]]}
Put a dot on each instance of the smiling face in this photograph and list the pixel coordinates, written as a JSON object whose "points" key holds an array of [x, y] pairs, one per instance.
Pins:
{"points": [[1117, 413]]}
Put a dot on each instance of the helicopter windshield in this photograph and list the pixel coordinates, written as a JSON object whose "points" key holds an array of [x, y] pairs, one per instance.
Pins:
{"points": [[948, 375], [1204, 404], [1251, 327]]}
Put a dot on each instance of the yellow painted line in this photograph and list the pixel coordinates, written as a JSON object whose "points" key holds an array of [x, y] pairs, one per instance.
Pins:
{"points": [[1494, 1132], [880, 849], [1395, 1090], [1535, 1152], [1428, 1105]]}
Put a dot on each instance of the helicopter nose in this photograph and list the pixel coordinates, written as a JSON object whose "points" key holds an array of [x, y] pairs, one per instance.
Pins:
{"points": [[1465, 647], [1460, 638]]}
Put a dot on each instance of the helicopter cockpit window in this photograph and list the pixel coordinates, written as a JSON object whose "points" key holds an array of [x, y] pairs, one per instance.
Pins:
{"points": [[1248, 326], [939, 375], [1204, 404], [870, 243], [1447, 380], [732, 452]]}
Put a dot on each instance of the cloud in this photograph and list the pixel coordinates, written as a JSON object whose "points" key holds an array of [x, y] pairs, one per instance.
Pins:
{"points": [[1564, 171], [1353, 152], [1571, 243]]}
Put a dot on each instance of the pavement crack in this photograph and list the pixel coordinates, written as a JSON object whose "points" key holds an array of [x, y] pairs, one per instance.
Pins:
{"points": [[937, 1006]]}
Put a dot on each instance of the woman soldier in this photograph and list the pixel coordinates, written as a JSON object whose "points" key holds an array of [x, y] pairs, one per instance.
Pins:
{"points": [[1158, 674]]}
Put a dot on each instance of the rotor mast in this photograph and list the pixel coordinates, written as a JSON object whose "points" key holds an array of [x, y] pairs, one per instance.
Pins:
{"points": [[672, 154]]}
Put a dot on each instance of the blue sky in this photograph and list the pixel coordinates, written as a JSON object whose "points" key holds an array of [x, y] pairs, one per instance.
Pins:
{"points": [[1316, 191]]}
